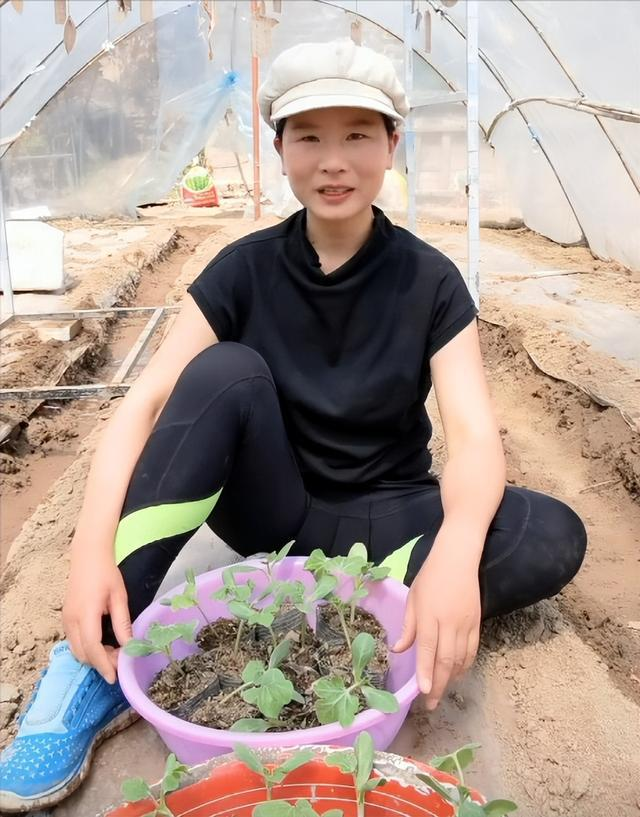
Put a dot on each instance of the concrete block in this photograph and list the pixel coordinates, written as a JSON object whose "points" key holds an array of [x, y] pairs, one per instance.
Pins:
{"points": [[36, 256], [58, 330]]}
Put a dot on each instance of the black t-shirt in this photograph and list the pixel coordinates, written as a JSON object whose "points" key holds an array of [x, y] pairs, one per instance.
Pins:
{"points": [[349, 351]]}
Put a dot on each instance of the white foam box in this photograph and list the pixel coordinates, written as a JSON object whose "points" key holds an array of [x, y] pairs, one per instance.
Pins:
{"points": [[36, 256]]}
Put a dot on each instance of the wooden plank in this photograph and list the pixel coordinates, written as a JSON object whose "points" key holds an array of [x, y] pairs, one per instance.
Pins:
{"points": [[64, 392], [88, 313], [138, 347]]}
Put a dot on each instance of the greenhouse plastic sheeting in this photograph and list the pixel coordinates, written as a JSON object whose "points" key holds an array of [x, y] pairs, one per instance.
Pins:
{"points": [[140, 110]]}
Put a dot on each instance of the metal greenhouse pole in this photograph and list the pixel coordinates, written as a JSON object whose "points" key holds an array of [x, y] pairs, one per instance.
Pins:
{"points": [[409, 132], [5, 270], [473, 138]]}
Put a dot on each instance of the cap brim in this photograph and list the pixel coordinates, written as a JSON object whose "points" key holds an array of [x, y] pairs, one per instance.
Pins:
{"points": [[313, 103]]}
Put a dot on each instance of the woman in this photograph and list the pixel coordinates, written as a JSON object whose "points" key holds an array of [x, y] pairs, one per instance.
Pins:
{"points": [[287, 402]]}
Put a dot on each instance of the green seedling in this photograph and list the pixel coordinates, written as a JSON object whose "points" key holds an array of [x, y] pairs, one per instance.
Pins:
{"points": [[299, 596], [358, 762], [337, 702], [275, 558], [187, 599], [253, 616], [272, 776], [236, 596], [135, 788], [460, 795], [302, 808], [160, 638], [266, 688], [356, 565]]}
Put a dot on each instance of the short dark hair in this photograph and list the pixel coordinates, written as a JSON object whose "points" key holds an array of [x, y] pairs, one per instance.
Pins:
{"points": [[389, 125]]}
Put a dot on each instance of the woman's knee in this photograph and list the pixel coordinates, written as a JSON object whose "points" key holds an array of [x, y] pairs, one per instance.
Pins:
{"points": [[570, 540], [212, 373], [223, 364]]}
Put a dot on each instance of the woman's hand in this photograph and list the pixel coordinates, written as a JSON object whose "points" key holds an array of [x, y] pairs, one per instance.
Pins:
{"points": [[443, 616], [95, 588]]}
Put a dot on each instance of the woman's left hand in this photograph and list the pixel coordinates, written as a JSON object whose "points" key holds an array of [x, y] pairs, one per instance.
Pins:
{"points": [[443, 616]]}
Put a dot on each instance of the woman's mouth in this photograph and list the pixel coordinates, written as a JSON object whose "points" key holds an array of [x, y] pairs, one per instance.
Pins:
{"points": [[335, 194]]}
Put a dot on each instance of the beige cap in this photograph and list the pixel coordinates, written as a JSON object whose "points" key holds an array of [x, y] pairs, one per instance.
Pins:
{"points": [[337, 74]]}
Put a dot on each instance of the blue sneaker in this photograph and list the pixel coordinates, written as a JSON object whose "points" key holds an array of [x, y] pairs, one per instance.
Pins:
{"points": [[71, 711]]}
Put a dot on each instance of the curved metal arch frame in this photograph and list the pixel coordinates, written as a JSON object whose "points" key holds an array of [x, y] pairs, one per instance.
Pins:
{"points": [[497, 75], [635, 182]]}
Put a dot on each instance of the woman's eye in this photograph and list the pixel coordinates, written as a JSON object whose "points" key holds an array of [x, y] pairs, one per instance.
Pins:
{"points": [[357, 136], [309, 139]]}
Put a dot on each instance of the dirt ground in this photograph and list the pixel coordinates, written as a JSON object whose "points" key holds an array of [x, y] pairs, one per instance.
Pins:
{"points": [[554, 697]]}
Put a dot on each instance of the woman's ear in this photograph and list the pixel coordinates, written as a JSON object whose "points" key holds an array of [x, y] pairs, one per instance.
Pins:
{"points": [[393, 144], [277, 143]]}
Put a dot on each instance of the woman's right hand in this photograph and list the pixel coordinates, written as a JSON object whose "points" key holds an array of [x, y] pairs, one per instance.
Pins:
{"points": [[95, 588]]}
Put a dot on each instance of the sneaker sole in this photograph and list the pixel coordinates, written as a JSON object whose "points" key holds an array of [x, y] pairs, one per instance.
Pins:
{"points": [[14, 804]]}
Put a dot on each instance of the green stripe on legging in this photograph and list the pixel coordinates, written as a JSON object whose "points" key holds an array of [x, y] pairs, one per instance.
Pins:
{"points": [[159, 522], [398, 561]]}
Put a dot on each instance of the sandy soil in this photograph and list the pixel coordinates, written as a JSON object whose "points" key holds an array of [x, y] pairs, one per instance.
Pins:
{"points": [[555, 695]]}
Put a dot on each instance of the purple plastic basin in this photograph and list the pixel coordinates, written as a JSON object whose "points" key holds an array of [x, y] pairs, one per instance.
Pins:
{"points": [[195, 744]]}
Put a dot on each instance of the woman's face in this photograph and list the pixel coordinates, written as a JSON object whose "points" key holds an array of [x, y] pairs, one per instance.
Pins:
{"points": [[335, 159]]}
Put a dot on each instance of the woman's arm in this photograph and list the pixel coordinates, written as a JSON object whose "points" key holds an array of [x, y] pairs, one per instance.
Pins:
{"points": [[473, 479], [95, 585], [443, 610]]}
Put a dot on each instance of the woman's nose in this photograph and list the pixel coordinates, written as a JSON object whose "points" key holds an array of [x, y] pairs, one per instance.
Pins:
{"points": [[332, 161]]}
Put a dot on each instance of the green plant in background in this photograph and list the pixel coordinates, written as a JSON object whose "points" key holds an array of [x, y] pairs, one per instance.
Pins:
{"points": [[272, 776], [460, 795], [335, 701], [188, 598], [302, 808], [159, 639], [358, 762], [135, 788]]}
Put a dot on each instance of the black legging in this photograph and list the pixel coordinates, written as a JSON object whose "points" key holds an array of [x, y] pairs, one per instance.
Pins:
{"points": [[222, 428]]}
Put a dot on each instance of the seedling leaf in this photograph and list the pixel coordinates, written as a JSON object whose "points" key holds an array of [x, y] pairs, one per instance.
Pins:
{"points": [[240, 609], [316, 561], [335, 702], [363, 649], [447, 763], [249, 758], [497, 808], [250, 725], [273, 808], [325, 585], [437, 787], [135, 789], [364, 751], [280, 652], [252, 673], [380, 699], [372, 784], [345, 761], [274, 692], [295, 761], [470, 809], [279, 556], [174, 771], [359, 551], [138, 647]]}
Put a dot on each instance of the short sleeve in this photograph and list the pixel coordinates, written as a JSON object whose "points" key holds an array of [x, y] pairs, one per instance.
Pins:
{"points": [[216, 292], [453, 310]]}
